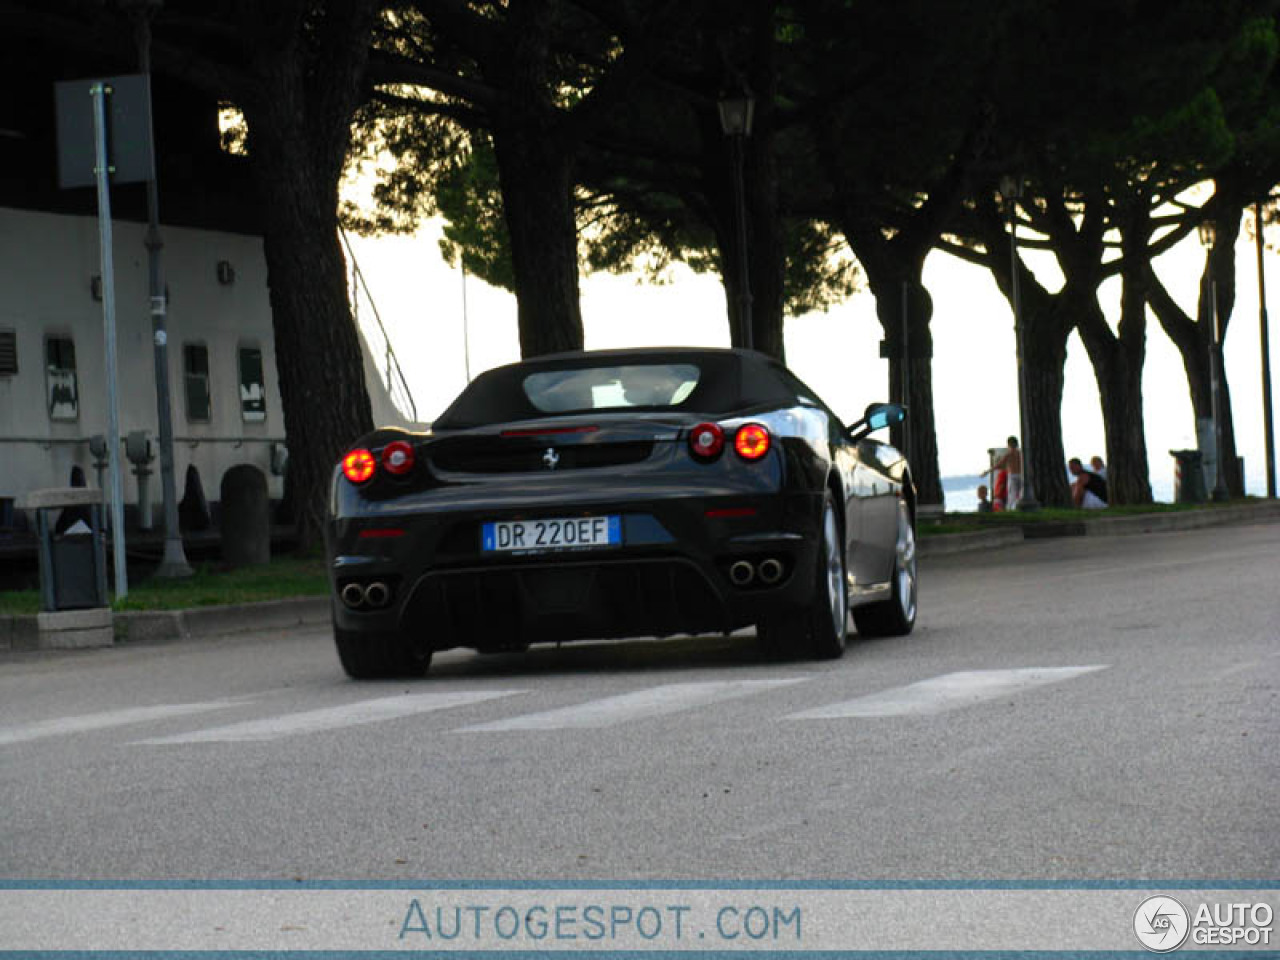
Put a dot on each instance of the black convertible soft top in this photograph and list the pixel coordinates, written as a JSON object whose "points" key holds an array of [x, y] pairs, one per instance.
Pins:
{"points": [[728, 381]]}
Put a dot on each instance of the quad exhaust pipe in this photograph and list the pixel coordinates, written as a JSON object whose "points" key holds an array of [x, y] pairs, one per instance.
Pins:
{"points": [[357, 595], [743, 573], [770, 571], [353, 595]]}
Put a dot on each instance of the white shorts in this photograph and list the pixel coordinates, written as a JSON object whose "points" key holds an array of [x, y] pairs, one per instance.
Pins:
{"points": [[1015, 491]]}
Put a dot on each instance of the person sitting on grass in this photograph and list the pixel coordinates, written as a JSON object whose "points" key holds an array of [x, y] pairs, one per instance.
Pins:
{"points": [[1088, 490]]}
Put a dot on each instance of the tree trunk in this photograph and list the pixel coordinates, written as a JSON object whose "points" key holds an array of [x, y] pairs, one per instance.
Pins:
{"points": [[1194, 337], [1047, 323], [765, 253], [535, 171], [1222, 265], [536, 174], [299, 136], [917, 438], [1119, 376], [765, 244], [1117, 366]]}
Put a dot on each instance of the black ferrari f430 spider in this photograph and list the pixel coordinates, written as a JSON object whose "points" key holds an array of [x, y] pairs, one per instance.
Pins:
{"points": [[621, 493]]}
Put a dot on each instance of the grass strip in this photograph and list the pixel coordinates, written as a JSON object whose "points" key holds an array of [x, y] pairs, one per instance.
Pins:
{"points": [[213, 584]]}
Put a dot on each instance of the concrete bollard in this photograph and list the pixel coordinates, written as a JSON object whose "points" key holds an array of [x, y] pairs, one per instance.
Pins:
{"points": [[246, 516]]}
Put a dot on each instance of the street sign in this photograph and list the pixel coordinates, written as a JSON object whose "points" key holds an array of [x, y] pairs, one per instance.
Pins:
{"points": [[128, 116]]}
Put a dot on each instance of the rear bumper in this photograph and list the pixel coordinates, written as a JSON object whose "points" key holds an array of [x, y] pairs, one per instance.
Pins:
{"points": [[671, 575]]}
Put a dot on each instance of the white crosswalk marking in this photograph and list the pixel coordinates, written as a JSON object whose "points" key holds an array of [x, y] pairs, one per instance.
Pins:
{"points": [[947, 692], [89, 722], [640, 704], [332, 718]]}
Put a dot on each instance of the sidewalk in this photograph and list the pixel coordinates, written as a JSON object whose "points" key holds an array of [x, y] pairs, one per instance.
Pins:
{"points": [[1261, 512], [21, 632]]}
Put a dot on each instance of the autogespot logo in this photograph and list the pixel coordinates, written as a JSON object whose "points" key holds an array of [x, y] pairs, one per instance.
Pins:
{"points": [[1161, 924]]}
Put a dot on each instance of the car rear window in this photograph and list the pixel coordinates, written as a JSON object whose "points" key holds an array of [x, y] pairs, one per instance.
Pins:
{"points": [[711, 382], [611, 387]]}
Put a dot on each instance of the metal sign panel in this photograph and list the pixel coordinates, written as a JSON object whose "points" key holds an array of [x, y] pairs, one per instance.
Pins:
{"points": [[129, 152]]}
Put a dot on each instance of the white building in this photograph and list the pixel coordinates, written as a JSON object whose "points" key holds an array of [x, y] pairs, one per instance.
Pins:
{"points": [[224, 392], [224, 395]]}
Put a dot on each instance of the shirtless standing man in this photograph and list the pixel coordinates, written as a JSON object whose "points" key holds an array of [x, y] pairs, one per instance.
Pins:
{"points": [[1011, 463]]}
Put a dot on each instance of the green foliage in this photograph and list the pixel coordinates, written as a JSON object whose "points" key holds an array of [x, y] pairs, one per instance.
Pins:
{"points": [[409, 152], [821, 273], [470, 200], [647, 235]]}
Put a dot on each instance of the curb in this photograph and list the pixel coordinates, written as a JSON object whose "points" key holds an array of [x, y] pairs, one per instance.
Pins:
{"points": [[219, 621], [1159, 522], [949, 543], [944, 544], [22, 633]]}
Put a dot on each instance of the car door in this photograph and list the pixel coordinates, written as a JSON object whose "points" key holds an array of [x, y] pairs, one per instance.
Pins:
{"points": [[872, 553]]}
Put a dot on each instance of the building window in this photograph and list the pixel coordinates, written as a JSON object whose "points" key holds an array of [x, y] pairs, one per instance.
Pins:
{"points": [[8, 353], [253, 391], [195, 372], [62, 387]]}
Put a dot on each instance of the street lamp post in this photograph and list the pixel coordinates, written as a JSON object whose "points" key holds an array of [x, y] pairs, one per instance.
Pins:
{"points": [[1208, 237], [736, 114], [174, 562], [1011, 191]]}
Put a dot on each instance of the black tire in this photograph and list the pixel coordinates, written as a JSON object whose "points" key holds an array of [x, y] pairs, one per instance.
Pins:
{"points": [[377, 656], [895, 617], [819, 630]]}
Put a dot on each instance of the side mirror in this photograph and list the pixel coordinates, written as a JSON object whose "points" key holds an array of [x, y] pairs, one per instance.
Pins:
{"points": [[876, 417]]}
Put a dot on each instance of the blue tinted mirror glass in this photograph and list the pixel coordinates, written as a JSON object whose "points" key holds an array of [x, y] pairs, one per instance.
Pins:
{"points": [[881, 415]]}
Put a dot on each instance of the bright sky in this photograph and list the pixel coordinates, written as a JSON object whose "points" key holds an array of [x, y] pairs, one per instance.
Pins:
{"points": [[837, 353]]}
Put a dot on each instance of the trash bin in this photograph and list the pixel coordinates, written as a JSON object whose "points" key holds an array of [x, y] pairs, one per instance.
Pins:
{"points": [[1188, 477], [73, 568]]}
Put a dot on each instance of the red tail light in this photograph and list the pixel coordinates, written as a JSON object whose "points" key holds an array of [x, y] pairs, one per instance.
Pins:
{"points": [[751, 441], [397, 458], [706, 440], [358, 465]]}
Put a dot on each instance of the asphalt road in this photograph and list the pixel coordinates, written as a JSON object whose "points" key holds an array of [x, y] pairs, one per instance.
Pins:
{"points": [[1078, 709]]}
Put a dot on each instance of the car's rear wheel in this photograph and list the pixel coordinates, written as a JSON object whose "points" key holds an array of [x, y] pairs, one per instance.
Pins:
{"points": [[818, 631], [375, 656], [895, 617]]}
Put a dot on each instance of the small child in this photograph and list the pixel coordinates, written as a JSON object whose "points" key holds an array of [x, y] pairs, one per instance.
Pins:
{"points": [[984, 505]]}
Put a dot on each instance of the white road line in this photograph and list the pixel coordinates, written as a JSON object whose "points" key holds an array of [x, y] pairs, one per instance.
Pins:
{"points": [[640, 704], [948, 692], [89, 722], [332, 718]]}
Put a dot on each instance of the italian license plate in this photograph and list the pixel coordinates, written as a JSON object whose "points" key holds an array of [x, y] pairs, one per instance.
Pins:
{"points": [[553, 533]]}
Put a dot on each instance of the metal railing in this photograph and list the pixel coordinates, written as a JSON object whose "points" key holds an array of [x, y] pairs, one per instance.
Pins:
{"points": [[392, 376]]}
